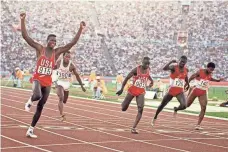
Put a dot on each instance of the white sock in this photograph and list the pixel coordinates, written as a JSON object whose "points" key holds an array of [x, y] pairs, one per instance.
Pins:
{"points": [[31, 128], [29, 100]]}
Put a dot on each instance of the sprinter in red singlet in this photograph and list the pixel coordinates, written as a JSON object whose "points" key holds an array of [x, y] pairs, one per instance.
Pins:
{"points": [[42, 77], [203, 76], [178, 83], [140, 75]]}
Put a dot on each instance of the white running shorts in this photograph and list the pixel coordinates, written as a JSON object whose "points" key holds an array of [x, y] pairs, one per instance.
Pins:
{"points": [[64, 84]]}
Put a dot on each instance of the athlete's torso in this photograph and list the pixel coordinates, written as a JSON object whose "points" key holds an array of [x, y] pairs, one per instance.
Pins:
{"points": [[140, 80], [177, 78], [44, 68], [203, 80], [64, 73]]}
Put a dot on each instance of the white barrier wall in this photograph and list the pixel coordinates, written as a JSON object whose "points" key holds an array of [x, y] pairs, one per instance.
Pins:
{"points": [[150, 94]]}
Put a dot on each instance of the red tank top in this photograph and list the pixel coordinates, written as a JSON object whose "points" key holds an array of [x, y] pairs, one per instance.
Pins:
{"points": [[140, 80], [203, 80], [203, 75], [177, 78], [44, 67]]}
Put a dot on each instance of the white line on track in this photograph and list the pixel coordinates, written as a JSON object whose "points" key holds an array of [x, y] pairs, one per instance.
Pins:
{"points": [[100, 104], [130, 114], [169, 126], [122, 136], [61, 134], [102, 142], [104, 101], [26, 144], [91, 129], [194, 141], [74, 108]]}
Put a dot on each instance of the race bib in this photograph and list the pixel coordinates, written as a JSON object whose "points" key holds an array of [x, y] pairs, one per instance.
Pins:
{"points": [[44, 70], [140, 84], [203, 84], [63, 75], [178, 83]]}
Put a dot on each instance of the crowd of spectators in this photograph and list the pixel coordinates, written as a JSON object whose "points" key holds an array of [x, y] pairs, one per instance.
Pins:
{"points": [[129, 29]]}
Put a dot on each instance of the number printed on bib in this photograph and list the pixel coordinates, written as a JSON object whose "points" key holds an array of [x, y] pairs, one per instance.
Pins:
{"points": [[44, 70], [203, 84], [139, 84], [178, 83], [63, 75]]}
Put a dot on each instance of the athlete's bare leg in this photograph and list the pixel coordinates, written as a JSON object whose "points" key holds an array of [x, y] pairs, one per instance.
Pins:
{"points": [[203, 105], [37, 94], [183, 103], [125, 104], [66, 94], [45, 93], [60, 93], [166, 99], [36, 88], [191, 97], [190, 90], [140, 104]]}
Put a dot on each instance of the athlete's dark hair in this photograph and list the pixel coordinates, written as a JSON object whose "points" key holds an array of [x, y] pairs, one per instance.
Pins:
{"points": [[51, 35], [184, 57], [146, 58], [211, 65]]}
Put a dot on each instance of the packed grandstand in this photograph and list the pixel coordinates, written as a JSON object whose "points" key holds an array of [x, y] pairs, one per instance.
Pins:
{"points": [[119, 34]]}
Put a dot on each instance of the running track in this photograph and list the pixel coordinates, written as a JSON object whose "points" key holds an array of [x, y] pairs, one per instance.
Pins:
{"points": [[95, 126]]}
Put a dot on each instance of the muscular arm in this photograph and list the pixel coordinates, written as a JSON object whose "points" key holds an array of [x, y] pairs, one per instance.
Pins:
{"points": [[29, 40], [55, 74], [151, 81], [195, 75], [57, 65], [221, 79], [73, 69], [186, 85], [133, 72], [215, 80], [169, 67], [186, 80], [68, 46]]}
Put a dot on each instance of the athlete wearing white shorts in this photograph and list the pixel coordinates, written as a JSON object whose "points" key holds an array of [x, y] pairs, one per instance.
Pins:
{"points": [[62, 77]]}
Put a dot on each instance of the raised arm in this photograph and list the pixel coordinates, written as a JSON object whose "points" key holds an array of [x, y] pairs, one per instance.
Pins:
{"points": [[133, 72], [169, 67], [77, 77], [68, 46], [25, 35]]}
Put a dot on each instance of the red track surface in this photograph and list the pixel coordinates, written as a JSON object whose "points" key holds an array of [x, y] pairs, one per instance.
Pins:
{"points": [[93, 126]]}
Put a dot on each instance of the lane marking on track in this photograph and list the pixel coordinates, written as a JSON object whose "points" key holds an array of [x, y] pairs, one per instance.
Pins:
{"points": [[92, 129], [121, 136], [75, 139], [25, 144], [105, 101], [119, 117], [103, 142]]}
